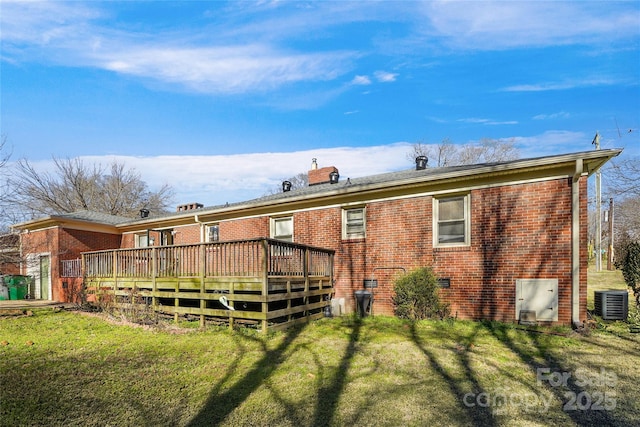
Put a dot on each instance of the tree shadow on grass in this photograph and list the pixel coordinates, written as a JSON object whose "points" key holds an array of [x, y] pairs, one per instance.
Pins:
{"points": [[329, 395], [559, 377], [478, 415], [220, 403]]}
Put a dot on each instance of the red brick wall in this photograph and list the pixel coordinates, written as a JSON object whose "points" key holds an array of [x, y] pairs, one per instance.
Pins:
{"points": [[521, 231], [249, 228], [65, 244], [186, 235], [517, 231]]}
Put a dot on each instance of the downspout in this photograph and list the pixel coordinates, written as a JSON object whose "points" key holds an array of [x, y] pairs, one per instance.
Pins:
{"points": [[575, 243], [197, 219]]}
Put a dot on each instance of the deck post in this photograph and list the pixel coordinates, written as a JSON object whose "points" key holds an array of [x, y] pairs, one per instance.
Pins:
{"points": [[203, 301], [154, 275], [115, 277], [305, 272], [265, 284]]}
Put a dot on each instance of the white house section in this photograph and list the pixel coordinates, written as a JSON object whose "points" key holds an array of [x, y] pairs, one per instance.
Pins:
{"points": [[539, 295]]}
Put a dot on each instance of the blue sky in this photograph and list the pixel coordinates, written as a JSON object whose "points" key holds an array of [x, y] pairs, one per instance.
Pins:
{"points": [[223, 100]]}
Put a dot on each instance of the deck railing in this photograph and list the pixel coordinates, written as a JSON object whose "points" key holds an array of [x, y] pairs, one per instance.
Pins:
{"points": [[269, 281], [71, 268]]}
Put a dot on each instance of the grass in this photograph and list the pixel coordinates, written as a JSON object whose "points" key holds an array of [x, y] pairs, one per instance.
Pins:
{"points": [[67, 368]]}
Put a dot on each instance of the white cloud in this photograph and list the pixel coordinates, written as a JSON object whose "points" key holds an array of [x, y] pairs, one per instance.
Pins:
{"points": [[503, 25], [219, 179], [361, 80], [228, 69], [490, 122], [553, 116], [72, 36], [385, 77], [553, 142], [565, 85]]}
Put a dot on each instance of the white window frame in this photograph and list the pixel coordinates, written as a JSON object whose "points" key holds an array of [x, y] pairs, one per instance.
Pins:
{"points": [[275, 221], [466, 197], [346, 235], [142, 240]]}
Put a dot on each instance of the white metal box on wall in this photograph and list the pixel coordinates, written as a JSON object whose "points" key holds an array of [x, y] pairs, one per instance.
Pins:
{"points": [[538, 295]]}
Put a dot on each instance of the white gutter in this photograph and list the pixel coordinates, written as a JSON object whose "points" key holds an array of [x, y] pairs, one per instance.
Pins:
{"points": [[575, 243]]}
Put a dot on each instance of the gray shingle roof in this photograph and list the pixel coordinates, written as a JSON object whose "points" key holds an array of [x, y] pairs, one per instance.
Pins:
{"points": [[95, 217]]}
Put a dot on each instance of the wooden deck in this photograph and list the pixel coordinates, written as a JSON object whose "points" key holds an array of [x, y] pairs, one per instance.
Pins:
{"points": [[266, 282]]}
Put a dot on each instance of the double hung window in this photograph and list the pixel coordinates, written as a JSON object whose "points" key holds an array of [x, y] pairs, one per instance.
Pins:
{"points": [[451, 217]]}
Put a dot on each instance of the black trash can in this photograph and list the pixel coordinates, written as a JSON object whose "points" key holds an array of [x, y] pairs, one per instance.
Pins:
{"points": [[364, 301]]}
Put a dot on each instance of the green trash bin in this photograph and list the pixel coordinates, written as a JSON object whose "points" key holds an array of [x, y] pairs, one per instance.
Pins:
{"points": [[18, 286]]}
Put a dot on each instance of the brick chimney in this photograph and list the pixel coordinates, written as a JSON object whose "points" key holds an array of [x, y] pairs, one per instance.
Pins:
{"points": [[322, 175], [189, 207]]}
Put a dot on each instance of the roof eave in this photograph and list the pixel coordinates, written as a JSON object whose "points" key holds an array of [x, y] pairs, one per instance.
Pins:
{"points": [[593, 160], [65, 222]]}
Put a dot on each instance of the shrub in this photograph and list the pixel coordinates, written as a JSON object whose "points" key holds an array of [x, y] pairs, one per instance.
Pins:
{"points": [[416, 296], [631, 269]]}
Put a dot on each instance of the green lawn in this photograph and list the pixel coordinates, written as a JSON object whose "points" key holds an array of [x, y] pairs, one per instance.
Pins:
{"points": [[68, 368]]}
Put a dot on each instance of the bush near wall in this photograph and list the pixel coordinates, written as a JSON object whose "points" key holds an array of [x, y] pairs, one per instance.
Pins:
{"points": [[416, 296], [631, 269]]}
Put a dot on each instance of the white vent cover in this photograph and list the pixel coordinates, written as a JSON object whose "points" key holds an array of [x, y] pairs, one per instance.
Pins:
{"points": [[612, 305]]}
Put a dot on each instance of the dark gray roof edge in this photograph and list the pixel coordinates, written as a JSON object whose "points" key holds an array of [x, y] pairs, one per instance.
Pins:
{"points": [[388, 178], [82, 216]]}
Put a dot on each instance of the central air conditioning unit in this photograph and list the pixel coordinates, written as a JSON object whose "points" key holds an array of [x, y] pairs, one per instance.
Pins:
{"points": [[612, 305]]}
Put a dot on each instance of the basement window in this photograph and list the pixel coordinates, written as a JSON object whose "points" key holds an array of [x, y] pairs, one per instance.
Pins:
{"points": [[354, 223], [451, 221]]}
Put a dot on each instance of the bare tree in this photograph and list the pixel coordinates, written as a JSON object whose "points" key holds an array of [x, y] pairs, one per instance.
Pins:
{"points": [[446, 153], [76, 186], [443, 154], [488, 151], [623, 185], [298, 181], [624, 177]]}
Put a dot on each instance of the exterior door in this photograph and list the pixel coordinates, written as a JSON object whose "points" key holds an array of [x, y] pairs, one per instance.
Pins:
{"points": [[45, 279], [539, 295]]}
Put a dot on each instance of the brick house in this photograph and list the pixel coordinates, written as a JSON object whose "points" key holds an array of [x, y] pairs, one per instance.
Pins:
{"points": [[503, 237]]}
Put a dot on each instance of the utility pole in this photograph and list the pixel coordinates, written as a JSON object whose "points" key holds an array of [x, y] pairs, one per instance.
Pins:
{"points": [[596, 142], [610, 250]]}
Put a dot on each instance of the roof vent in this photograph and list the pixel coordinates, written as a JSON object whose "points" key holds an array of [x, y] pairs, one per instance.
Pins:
{"points": [[421, 163], [286, 186], [144, 213], [334, 177]]}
